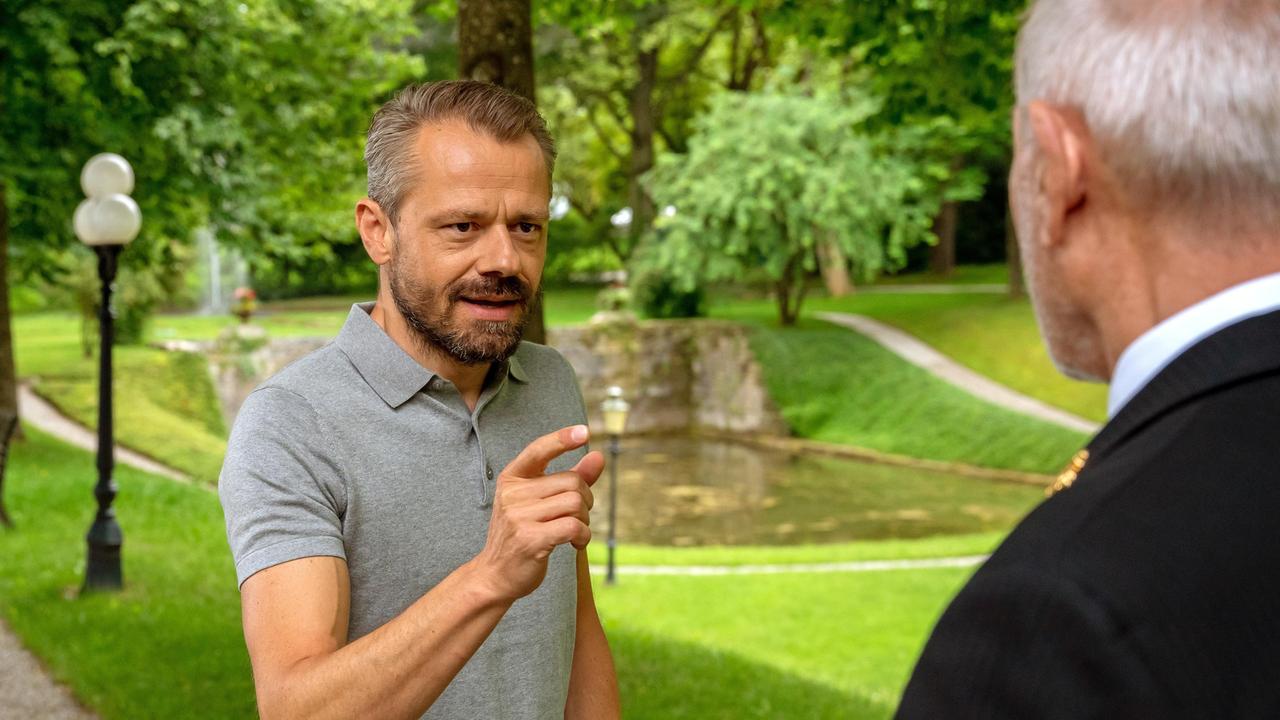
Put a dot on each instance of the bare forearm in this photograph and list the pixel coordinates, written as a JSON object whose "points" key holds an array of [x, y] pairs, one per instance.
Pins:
{"points": [[593, 683], [593, 688], [398, 670]]}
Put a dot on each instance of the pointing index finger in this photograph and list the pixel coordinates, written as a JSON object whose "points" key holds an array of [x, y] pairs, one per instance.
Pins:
{"points": [[533, 460]]}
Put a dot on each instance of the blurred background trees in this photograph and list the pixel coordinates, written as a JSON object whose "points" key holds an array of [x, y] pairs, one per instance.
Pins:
{"points": [[245, 123]]}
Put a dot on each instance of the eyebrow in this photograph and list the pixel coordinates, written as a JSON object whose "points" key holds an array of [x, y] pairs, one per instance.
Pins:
{"points": [[531, 216], [462, 214]]}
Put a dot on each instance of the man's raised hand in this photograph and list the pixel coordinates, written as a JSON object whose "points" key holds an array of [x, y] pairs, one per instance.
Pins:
{"points": [[534, 512]]}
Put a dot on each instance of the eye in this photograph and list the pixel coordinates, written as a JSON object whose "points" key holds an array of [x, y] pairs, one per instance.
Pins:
{"points": [[463, 227], [527, 228]]}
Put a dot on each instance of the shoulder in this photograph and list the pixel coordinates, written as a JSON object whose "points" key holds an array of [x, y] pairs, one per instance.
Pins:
{"points": [[302, 390], [1021, 641], [312, 373], [541, 359]]}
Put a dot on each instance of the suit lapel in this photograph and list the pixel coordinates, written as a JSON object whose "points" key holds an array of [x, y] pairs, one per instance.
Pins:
{"points": [[1234, 354]]}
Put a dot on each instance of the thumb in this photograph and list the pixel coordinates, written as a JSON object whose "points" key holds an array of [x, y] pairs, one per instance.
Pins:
{"points": [[590, 467]]}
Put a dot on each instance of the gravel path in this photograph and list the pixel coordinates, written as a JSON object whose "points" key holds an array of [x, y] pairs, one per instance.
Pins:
{"points": [[943, 367], [27, 691]]}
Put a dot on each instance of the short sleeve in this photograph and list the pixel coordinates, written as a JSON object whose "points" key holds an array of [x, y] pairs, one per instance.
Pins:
{"points": [[281, 486]]}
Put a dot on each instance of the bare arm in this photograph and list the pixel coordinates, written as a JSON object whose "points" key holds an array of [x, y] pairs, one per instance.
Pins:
{"points": [[296, 614], [593, 684]]}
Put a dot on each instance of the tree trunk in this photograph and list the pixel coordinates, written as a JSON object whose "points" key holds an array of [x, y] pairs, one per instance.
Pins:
{"points": [[942, 257], [835, 269], [495, 45], [643, 127], [1013, 254], [790, 290], [8, 372]]}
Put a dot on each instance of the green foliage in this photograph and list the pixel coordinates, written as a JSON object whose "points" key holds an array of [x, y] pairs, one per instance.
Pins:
{"points": [[658, 296], [243, 117], [769, 177], [136, 293], [578, 246]]}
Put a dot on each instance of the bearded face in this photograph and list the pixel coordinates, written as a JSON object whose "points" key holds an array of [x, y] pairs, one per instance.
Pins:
{"points": [[472, 320]]}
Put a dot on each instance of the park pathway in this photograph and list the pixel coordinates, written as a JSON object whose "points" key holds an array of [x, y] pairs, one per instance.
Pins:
{"points": [[27, 691], [37, 411], [789, 568], [918, 353]]}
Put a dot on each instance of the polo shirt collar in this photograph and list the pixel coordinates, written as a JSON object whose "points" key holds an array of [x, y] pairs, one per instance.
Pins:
{"points": [[389, 370]]}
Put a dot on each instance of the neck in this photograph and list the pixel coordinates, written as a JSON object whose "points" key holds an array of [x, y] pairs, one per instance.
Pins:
{"points": [[468, 379], [1161, 271]]}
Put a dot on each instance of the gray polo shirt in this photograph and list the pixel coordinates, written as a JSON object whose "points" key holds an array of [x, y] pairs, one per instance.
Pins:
{"points": [[356, 451]]}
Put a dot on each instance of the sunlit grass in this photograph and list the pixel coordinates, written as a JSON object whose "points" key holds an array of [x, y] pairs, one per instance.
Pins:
{"points": [[807, 645]]}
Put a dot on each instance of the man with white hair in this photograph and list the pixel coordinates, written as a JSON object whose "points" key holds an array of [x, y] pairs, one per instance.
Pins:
{"points": [[1146, 192]]}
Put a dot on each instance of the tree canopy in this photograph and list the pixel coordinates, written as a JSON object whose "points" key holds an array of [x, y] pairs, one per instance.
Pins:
{"points": [[771, 178]]}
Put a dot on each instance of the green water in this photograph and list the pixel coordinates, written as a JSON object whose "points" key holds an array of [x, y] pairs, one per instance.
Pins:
{"points": [[683, 491]]}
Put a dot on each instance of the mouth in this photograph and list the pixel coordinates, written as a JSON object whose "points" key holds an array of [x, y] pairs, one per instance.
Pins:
{"points": [[491, 307]]}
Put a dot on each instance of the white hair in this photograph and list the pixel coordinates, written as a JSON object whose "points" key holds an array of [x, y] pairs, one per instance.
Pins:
{"points": [[1182, 96]]}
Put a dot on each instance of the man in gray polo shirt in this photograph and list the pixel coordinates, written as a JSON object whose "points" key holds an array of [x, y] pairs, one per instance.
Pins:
{"points": [[408, 506]]}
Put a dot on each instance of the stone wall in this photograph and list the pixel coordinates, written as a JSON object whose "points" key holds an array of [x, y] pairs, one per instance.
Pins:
{"points": [[678, 375]]}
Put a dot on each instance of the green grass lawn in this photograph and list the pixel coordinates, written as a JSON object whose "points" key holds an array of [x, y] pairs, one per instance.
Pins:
{"points": [[985, 274], [835, 385], [168, 646], [992, 334], [165, 406], [795, 646]]}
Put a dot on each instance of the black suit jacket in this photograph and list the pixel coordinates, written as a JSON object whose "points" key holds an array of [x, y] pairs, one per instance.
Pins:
{"points": [[1151, 586]]}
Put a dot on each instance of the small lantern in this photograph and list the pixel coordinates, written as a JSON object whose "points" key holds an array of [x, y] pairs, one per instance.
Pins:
{"points": [[615, 410]]}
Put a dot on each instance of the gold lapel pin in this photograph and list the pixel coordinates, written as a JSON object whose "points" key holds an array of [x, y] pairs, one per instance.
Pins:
{"points": [[1069, 475]]}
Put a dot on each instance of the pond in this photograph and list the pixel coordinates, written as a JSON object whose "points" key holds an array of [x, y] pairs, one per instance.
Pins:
{"points": [[681, 491]]}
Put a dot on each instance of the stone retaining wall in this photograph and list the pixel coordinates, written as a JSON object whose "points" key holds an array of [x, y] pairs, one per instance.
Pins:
{"points": [[679, 376]]}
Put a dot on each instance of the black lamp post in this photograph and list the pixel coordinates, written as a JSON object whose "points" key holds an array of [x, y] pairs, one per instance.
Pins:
{"points": [[615, 410], [106, 221]]}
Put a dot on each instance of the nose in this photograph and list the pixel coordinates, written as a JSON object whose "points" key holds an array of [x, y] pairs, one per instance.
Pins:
{"points": [[498, 254]]}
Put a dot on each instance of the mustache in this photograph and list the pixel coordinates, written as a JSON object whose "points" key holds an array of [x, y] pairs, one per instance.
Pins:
{"points": [[508, 288]]}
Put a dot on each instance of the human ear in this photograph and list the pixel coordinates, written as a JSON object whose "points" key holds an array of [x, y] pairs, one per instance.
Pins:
{"points": [[1061, 140], [376, 231]]}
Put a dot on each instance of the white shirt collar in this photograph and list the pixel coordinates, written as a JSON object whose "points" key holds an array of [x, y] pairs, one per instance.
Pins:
{"points": [[1159, 346]]}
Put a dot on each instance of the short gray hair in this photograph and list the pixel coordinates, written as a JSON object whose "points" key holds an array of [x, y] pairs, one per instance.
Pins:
{"points": [[1183, 96], [486, 108]]}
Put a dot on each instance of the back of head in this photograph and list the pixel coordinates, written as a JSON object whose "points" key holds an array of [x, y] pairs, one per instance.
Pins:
{"points": [[1181, 96], [484, 107]]}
